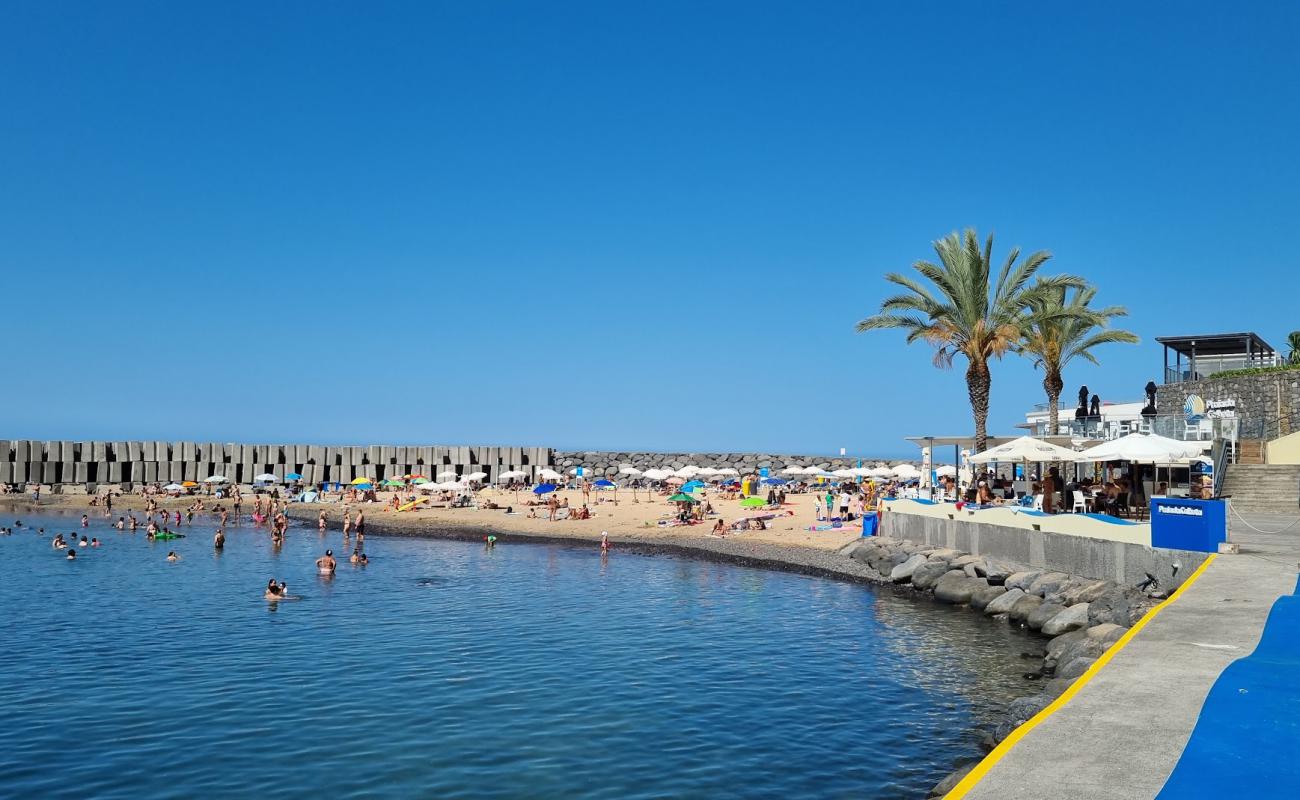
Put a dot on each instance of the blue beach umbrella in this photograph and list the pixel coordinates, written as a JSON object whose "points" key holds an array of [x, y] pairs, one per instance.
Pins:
{"points": [[293, 476], [604, 483], [774, 481], [691, 486], [363, 486], [544, 488]]}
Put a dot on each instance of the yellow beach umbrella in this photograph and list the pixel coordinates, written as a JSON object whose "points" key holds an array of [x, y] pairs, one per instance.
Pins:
{"points": [[188, 484], [359, 481]]}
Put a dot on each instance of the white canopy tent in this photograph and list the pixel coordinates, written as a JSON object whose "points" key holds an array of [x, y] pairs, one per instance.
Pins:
{"points": [[1143, 448]]}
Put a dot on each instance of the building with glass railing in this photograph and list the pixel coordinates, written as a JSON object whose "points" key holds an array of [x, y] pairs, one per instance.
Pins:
{"points": [[1192, 358]]}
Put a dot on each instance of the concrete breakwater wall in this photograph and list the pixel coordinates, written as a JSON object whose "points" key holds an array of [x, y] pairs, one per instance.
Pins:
{"points": [[607, 462], [68, 462]]}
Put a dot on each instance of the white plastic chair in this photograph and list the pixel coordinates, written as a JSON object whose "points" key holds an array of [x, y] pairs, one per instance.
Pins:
{"points": [[1080, 505], [1038, 502]]}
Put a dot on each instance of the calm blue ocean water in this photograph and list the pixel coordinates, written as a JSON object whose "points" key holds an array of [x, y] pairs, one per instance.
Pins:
{"points": [[445, 670]]}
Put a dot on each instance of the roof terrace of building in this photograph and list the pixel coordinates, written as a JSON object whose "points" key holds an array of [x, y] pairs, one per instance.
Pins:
{"points": [[1197, 357]]}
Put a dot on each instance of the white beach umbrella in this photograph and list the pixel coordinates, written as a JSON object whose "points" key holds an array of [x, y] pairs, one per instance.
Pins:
{"points": [[173, 487], [265, 477], [882, 472], [510, 474], [861, 472], [728, 471], [475, 476], [446, 476], [549, 474], [428, 487], [946, 469], [628, 469], [215, 479], [1141, 447], [905, 470], [842, 473], [792, 470], [1025, 448], [706, 471], [814, 471], [655, 474]]}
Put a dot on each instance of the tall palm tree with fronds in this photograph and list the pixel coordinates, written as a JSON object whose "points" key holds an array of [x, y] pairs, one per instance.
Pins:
{"points": [[966, 312], [1061, 327], [1293, 341]]}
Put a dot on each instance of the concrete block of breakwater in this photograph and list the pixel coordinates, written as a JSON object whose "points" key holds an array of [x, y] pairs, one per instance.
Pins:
{"points": [[150, 472], [374, 454], [53, 451], [22, 450], [67, 471], [133, 451], [48, 472], [80, 472], [115, 472], [6, 450], [6, 472], [20, 471]]}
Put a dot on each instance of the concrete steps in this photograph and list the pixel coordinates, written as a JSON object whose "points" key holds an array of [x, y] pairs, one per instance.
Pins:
{"points": [[1250, 451], [1269, 488]]}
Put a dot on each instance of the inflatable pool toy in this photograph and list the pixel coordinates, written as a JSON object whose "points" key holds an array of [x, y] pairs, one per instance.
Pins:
{"points": [[166, 536], [412, 504]]}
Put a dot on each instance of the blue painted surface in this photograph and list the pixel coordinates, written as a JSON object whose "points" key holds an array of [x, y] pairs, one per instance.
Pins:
{"points": [[447, 670], [1182, 523], [1247, 739]]}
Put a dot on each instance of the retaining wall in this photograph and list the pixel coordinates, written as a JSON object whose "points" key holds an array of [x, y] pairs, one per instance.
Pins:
{"points": [[1125, 563]]}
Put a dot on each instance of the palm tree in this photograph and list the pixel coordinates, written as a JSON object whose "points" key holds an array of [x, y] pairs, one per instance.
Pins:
{"points": [[966, 313], [1293, 341], [1060, 329]]}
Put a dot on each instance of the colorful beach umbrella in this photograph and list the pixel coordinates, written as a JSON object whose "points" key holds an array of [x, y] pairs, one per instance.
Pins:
{"points": [[363, 485], [691, 486], [419, 480], [393, 482], [188, 484], [753, 502], [355, 481], [682, 497]]}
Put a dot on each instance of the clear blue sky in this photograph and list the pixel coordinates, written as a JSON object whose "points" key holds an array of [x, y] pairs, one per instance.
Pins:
{"points": [[615, 225]]}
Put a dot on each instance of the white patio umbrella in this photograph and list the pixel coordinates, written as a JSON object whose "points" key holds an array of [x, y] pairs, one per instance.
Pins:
{"points": [[1143, 448], [655, 474], [882, 472], [173, 487], [843, 473], [628, 469], [475, 476], [904, 470], [814, 471], [792, 470], [215, 479], [1025, 448], [446, 476], [265, 477], [945, 470], [728, 471], [549, 475], [511, 474]]}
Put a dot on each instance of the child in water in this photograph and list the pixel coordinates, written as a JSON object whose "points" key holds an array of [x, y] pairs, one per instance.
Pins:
{"points": [[94, 542]]}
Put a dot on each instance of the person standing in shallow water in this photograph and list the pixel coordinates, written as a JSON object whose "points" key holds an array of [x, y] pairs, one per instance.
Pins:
{"points": [[219, 541], [326, 563]]}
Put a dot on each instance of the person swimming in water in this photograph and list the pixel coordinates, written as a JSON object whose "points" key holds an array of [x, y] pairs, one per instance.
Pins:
{"points": [[355, 557], [171, 556], [274, 592], [362, 560], [83, 542], [94, 542], [72, 555], [326, 563]]}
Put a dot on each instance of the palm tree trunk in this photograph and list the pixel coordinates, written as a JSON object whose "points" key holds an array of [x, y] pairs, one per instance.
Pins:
{"points": [[1053, 384], [978, 384]]}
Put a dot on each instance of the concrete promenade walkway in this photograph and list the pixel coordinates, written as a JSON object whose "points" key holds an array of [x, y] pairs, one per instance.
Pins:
{"points": [[1122, 733]]}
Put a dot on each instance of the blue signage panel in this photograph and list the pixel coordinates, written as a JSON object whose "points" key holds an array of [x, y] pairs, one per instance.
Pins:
{"points": [[1181, 523], [763, 473]]}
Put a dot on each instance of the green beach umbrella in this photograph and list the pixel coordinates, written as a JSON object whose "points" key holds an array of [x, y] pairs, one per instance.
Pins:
{"points": [[752, 502], [393, 482], [419, 480], [682, 497]]}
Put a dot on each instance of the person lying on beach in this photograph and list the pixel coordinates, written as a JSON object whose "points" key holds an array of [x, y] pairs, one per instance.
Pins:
{"points": [[719, 528]]}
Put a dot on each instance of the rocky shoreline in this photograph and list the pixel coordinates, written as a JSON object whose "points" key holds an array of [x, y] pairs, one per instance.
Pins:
{"points": [[608, 462], [1082, 616]]}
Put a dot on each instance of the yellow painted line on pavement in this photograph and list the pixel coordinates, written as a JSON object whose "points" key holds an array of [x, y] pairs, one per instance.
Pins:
{"points": [[981, 769]]}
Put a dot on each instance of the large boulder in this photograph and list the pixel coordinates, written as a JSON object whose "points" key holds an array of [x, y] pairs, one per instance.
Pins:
{"points": [[1083, 647], [1071, 619], [903, 572], [1107, 633], [944, 554], [1021, 580], [1047, 583], [995, 572], [1023, 607], [981, 597], [1060, 643], [956, 587], [1118, 605], [1003, 604], [1084, 590], [1018, 713], [928, 574], [1069, 670], [1040, 615], [962, 561], [943, 787]]}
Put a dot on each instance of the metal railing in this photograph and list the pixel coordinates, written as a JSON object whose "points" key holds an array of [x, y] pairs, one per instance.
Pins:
{"points": [[1207, 366]]}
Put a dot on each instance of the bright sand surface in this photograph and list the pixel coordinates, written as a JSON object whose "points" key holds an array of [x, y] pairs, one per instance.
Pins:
{"points": [[629, 520]]}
